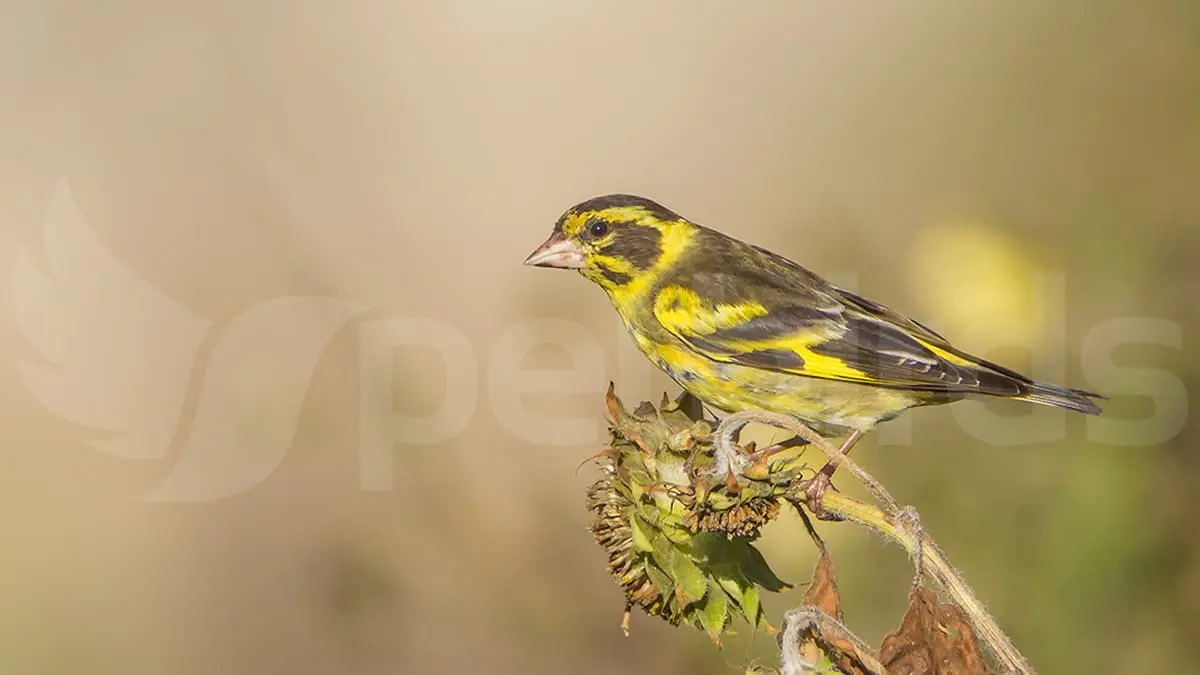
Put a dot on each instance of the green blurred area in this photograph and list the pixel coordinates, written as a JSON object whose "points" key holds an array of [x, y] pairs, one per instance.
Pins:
{"points": [[1015, 175]]}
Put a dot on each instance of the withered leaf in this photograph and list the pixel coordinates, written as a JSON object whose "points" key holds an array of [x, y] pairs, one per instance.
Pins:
{"points": [[644, 410], [614, 411], [825, 633], [822, 593], [646, 427], [934, 638]]}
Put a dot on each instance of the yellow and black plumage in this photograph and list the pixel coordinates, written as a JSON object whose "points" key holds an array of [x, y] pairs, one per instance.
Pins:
{"points": [[740, 327]]}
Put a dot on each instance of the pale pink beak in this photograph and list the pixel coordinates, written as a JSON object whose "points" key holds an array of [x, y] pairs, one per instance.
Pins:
{"points": [[557, 251]]}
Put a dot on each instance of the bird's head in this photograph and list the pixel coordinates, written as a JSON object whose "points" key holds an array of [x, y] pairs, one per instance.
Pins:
{"points": [[617, 241]]}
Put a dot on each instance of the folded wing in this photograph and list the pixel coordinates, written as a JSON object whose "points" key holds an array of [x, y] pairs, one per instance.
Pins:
{"points": [[765, 320]]}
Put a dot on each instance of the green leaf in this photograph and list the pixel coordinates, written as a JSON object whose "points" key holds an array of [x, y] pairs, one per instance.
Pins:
{"points": [[638, 480], [661, 581], [750, 605], [637, 531], [689, 579], [669, 504], [734, 587], [719, 501], [623, 489], [676, 533], [716, 610], [759, 572], [740, 590], [663, 555], [714, 548], [649, 511], [730, 578]]}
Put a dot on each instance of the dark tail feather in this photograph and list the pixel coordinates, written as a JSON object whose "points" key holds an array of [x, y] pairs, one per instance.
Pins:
{"points": [[1062, 397]]}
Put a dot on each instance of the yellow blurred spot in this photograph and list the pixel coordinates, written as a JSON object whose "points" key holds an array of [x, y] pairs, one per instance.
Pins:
{"points": [[965, 272]]}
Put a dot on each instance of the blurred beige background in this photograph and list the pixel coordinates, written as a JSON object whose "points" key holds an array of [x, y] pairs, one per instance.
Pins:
{"points": [[1015, 162]]}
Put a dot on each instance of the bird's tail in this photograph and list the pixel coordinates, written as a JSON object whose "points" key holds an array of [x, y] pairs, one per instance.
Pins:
{"points": [[1062, 397]]}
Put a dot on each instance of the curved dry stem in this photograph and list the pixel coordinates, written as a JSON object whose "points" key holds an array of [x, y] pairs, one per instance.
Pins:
{"points": [[727, 458], [802, 619], [933, 562], [901, 525]]}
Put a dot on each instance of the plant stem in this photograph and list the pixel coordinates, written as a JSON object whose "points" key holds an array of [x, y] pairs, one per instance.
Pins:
{"points": [[933, 562], [889, 519]]}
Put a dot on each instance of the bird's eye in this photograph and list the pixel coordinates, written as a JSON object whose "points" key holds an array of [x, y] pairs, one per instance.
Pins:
{"points": [[598, 229]]}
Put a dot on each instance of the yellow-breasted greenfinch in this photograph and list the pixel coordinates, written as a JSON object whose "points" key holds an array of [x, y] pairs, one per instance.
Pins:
{"points": [[740, 327]]}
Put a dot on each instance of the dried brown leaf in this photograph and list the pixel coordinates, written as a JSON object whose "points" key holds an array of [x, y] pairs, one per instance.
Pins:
{"points": [[822, 592], [646, 426], [934, 638], [614, 411], [645, 410], [824, 632]]}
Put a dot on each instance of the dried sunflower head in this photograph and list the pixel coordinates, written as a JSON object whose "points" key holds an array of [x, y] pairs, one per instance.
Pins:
{"points": [[678, 545]]}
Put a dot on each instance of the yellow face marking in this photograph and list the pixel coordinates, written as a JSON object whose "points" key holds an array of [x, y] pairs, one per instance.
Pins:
{"points": [[575, 222], [676, 236], [612, 262], [673, 241]]}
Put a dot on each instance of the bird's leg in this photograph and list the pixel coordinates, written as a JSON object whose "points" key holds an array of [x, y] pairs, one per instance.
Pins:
{"points": [[823, 480]]}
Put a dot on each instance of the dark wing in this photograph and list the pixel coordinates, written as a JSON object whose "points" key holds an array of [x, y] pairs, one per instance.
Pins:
{"points": [[740, 304]]}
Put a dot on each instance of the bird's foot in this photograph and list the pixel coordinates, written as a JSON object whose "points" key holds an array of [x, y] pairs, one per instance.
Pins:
{"points": [[814, 493], [823, 481]]}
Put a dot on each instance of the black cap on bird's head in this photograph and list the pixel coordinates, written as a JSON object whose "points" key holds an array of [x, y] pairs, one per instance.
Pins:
{"points": [[609, 239]]}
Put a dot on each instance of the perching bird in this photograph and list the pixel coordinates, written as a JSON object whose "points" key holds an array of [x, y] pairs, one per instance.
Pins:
{"points": [[740, 327]]}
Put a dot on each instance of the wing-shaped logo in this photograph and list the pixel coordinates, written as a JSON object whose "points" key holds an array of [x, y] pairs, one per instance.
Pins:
{"points": [[99, 327], [121, 356]]}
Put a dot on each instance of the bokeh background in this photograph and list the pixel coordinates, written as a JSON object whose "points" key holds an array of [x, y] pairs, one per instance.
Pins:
{"points": [[1014, 174]]}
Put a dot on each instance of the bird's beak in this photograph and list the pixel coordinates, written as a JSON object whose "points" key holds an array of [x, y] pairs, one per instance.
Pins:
{"points": [[557, 251]]}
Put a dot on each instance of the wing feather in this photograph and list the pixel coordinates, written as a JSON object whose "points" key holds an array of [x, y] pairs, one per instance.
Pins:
{"points": [[762, 311]]}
